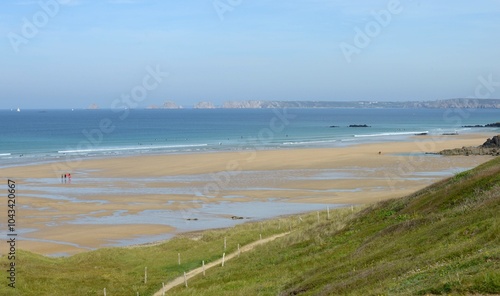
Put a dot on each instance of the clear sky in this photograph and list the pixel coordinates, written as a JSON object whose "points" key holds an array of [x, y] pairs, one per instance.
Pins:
{"points": [[72, 53]]}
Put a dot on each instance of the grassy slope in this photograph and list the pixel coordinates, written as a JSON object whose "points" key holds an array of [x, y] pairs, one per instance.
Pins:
{"points": [[443, 239], [121, 270]]}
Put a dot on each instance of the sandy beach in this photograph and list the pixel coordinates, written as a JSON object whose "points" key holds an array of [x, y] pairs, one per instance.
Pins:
{"points": [[142, 198]]}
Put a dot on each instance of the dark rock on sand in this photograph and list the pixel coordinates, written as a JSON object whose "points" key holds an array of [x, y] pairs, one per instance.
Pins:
{"points": [[490, 147], [492, 143]]}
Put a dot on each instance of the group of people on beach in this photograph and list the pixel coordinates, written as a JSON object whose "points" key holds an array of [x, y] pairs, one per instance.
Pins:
{"points": [[66, 178]]}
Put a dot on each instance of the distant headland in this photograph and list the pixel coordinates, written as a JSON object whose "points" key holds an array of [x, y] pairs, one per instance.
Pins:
{"points": [[463, 103]]}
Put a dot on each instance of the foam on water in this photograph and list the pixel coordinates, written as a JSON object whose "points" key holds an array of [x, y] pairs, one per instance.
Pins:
{"points": [[392, 134], [118, 149]]}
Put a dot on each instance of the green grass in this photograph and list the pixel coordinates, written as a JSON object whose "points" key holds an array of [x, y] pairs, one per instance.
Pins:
{"points": [[121, 270], [444, 239]]}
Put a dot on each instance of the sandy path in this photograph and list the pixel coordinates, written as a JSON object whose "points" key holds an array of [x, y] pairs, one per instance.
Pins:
{"points": [[199, 270]]}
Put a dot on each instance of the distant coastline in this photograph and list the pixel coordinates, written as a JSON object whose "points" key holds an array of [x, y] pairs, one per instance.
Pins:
{"points": [[463, 103]]}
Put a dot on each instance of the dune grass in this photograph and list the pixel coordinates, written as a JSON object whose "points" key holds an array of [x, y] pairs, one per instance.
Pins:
{"points": [[444, 239], [121, 270]]}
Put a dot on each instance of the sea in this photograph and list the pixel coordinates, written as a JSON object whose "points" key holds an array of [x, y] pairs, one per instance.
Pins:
{"points": [[37, 136]]}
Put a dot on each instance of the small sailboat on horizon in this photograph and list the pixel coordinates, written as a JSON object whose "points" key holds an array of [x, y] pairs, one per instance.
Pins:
{"points": [[18, 110]]}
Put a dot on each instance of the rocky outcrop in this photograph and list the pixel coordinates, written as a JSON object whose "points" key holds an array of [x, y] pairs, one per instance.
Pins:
{"points": [[490, 147], [204, 105], [359, 125], [496, 124], [467, 151], [170, 105], [492, 143]]}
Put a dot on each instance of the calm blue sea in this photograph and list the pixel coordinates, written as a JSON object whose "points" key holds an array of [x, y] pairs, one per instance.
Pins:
{"points": [[31, 136]]}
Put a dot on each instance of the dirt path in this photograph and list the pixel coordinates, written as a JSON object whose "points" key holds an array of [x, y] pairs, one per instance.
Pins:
{"points": [[199, 270]]}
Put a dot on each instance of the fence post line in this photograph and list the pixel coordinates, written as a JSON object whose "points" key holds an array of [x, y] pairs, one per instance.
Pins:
{"points": [[203, 264], [179, 258], [146, 275], [223, 258], [185, 280]]}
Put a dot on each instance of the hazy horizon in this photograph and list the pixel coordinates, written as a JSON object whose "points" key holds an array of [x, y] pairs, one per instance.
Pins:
{"points": [[94, 106], [138, 53]]}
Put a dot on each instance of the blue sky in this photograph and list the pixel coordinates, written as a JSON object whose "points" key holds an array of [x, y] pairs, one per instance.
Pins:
{"points": [[80, 52]]}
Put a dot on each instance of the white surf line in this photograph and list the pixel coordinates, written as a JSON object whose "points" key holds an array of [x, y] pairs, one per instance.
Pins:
{"points": [[197, 271]]}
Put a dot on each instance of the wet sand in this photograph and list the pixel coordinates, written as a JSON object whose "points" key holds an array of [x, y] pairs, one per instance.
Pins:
{"points": [[141, 198]]}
